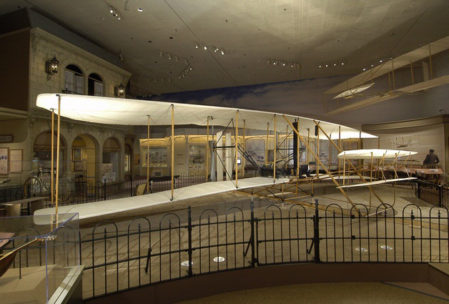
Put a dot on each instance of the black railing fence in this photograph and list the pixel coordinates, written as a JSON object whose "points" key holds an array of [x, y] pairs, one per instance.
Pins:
{"points": [[428, 191], [84, 192], [11, 193], [119, 256]]}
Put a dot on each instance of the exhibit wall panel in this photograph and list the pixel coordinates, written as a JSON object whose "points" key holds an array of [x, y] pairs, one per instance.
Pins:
{"points": [[419, 140]]}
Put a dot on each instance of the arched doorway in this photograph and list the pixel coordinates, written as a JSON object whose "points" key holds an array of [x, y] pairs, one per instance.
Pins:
{"points": [[84, 159], [128, 161], [111, 160], [42, 153], [41, 162]]}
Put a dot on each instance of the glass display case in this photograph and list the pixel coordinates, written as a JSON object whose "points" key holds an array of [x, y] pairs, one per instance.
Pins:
{"points": [[39, 258]]}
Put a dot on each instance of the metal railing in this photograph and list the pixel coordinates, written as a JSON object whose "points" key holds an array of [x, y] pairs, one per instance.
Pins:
{"points": [[120, 256], [433, 193]]}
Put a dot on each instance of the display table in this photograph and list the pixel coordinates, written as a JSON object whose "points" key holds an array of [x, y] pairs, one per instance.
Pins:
{"points": [[33, 203]]}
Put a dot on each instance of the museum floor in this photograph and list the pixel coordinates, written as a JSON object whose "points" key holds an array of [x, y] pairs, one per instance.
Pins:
{"points": [[348, 293]]}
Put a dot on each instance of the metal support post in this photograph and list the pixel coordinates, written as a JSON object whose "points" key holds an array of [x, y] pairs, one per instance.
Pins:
{"points": [[172, 150], [316, 233], [266, 143], [275, 148], [58, 145], [148, 155], [52, 176], [236, 142], [207, 149], [190, 250], [253, 234]]}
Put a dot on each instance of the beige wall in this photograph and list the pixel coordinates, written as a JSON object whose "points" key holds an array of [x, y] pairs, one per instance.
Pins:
{"points": [[45, 46], [27, 77], [420, 140]]}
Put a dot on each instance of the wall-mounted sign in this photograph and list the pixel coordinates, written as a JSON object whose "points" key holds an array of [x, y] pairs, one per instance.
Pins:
{"points": [[15, 160], [4, 161], [6, 139]]}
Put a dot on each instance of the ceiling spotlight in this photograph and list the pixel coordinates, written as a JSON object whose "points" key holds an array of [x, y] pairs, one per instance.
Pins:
{"points": [[168, 56], [222, 52], [327, 65], [114, 12], [292, 66], [364, 69], [372, 65], [342, 64], [320, 66], [335, 64], [275, 62], [380, 61], [216, 50], [140, 9], [205, 48], [283, 64], [190, 68], [197, 46]]}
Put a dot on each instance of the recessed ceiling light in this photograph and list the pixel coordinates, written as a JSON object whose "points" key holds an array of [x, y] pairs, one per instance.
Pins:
{"points": [[205, 48], [140, 9]]}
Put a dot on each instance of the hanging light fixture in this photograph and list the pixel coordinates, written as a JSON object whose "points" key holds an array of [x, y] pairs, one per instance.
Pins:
{"points": [[51, 67], [119, 90]]}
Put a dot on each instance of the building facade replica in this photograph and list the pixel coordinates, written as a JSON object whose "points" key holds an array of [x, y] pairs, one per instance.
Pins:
{"points": [[40, 61]]}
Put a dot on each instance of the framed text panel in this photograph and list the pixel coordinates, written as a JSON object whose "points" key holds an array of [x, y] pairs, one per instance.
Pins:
{"points": [[4, 161]]}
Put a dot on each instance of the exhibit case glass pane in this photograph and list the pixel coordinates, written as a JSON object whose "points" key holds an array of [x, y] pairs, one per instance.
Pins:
{"points": [[39, 259]]}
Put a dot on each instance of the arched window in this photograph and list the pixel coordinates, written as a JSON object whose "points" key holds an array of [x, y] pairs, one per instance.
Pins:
{"points": [[73, 80], [95, 85]]}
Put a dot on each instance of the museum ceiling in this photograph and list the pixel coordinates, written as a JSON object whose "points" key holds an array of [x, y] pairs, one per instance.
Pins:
{"points": [[180, 45]]}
